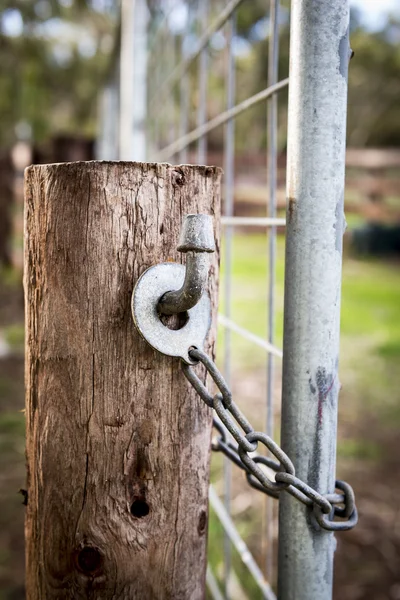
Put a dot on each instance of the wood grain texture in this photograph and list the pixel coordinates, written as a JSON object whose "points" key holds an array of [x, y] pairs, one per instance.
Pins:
{"points": [[111, 423]]}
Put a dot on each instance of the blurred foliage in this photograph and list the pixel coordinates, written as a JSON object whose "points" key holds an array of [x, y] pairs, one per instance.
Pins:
{"points": [[54, 56], [374, 83], [14, 335], [374, 86]]}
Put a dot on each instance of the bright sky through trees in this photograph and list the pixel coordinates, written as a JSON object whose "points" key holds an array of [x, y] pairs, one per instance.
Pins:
{"points": [[374, 13]]}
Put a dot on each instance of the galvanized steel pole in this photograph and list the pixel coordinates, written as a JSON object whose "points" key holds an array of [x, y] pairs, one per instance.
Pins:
{"points": [[315, 224]]}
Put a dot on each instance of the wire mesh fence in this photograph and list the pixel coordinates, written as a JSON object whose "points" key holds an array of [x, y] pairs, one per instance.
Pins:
{"points": [[191, 72], [184, 94], [183, 107]]}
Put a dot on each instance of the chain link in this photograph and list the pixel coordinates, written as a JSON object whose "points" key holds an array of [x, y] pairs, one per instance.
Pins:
{"points": [[279, 475]]}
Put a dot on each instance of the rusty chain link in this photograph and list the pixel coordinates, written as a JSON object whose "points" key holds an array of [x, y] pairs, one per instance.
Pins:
{"points": [[325, 507]]}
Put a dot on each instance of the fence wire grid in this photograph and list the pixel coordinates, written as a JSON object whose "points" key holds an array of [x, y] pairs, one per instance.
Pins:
{"points": [[181, 96], [176, 44]]}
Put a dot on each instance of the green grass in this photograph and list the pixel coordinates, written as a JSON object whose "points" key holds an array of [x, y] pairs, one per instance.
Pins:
{"points": [[10, 277], [12, 434], [354, 220], [249, 288], [370, 339], [15, 335], [370, 299], [360, 449], [390, 349]]}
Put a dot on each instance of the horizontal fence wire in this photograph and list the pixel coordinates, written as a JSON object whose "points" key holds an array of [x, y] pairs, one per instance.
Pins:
{"points": [[220, 119], [248, 335], [241, 547], [202, 84], [253, 221]]}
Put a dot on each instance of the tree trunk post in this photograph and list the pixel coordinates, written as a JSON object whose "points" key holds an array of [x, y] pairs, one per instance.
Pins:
{"points": [[118, 444]]}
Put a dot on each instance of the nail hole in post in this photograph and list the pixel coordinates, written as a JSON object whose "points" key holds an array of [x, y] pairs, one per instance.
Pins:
{"points": [[201, 527], [89, 560], [140, 508]]}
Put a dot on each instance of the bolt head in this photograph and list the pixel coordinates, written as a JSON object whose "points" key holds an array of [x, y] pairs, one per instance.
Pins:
{"points": [[197, 234]]}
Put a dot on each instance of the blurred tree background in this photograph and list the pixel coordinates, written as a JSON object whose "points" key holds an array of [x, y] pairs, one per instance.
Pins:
{"points": [[54, 56], [374, 85], [57, 54]]}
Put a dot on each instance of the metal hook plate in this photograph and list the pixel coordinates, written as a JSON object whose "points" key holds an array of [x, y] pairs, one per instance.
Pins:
{"points": [[153, 284]]}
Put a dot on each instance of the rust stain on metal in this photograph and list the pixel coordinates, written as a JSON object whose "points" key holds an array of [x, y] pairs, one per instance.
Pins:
{"points": [[325, 383], [291, 207]]}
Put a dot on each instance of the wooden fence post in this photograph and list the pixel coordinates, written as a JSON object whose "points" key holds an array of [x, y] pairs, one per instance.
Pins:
{"points": [[118, 444]]}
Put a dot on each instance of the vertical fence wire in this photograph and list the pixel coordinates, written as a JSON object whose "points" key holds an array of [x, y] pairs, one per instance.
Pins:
{"points": [[157, 74], [272, 165], [162, 57], [229, 168], [202, 87], [171, 116], [159, 48], [185, 83], [125, 81]]}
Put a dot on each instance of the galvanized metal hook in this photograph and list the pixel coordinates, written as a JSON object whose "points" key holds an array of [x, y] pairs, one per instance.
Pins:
{"points": [[196, 240], [154, 294]]}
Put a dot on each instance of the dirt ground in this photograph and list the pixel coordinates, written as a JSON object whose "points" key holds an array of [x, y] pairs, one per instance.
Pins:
{"points": [[367, 560], [367, 565]]}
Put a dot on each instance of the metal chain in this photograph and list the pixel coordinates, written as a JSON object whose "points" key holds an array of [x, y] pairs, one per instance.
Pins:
{"points": [[325, 507]]}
